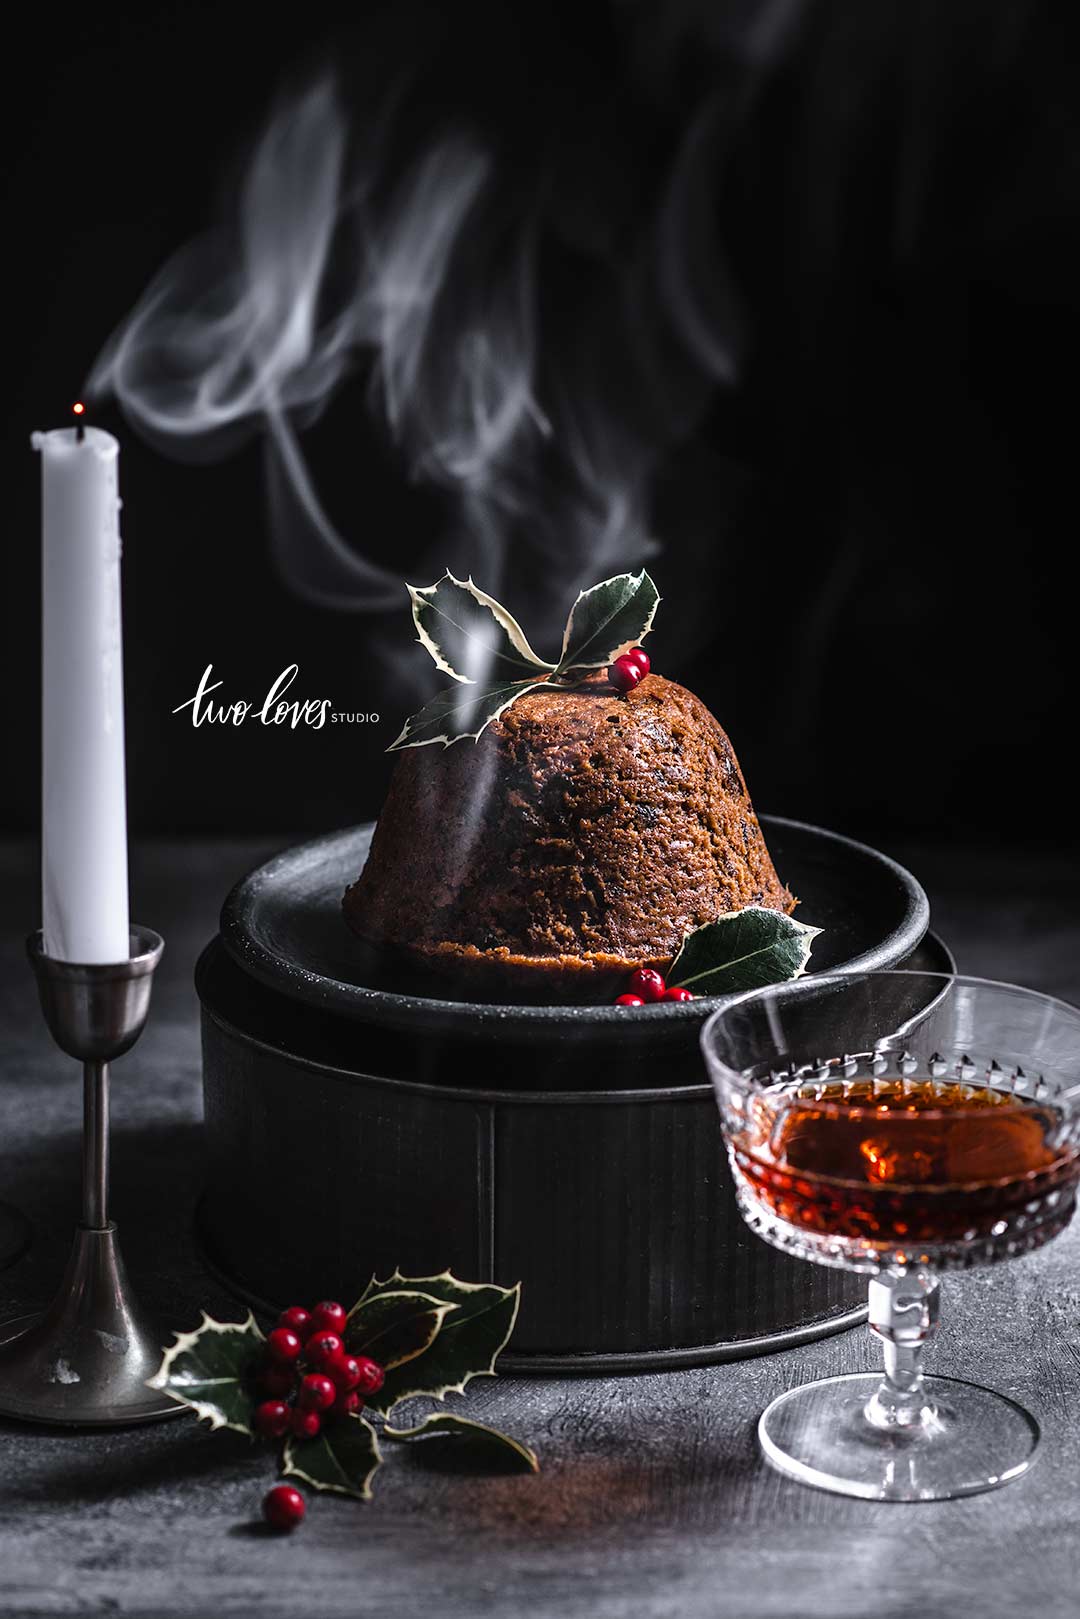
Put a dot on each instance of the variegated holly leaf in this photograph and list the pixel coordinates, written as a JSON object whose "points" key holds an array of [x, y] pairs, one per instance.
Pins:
{"points": [[470, 635], [478, 1433], [608, 620], [211, 1370], [742, 950], [469, 1339], [395, 1326], [342, 1457], [459, 714]]}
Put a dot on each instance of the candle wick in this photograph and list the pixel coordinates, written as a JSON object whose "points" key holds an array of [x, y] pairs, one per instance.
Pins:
{"points": [[80, 432]]}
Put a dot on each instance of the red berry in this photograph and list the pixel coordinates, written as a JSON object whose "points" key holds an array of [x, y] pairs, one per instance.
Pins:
{"points": [[283, 1345], [636, 655], [629, 1000], [345, 1372], [346, 1403], [647, 983], [272, 1419], [677, 993], [317, 1393], [275, 1381], [371, 1377], [283, 1507], [297, 1320], [624, 674], [322, 1349], [304, 1424], [328, 1317]]}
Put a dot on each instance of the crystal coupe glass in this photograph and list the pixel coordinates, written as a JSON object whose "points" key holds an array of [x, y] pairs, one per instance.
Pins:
{"points": [[900, 1124]]}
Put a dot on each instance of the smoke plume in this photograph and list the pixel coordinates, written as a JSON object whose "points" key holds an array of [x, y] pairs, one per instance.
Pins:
{"points": [[535, 332]]}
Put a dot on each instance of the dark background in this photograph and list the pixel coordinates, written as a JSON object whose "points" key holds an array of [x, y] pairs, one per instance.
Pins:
{"points": [[868, 539]]}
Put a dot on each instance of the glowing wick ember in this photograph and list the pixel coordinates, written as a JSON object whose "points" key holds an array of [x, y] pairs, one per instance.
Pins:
{"points": [[79, 409]]}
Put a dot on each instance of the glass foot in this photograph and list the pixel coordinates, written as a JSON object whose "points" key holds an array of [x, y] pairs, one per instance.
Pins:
{"points": [[14, 1234], [966, 1439]]}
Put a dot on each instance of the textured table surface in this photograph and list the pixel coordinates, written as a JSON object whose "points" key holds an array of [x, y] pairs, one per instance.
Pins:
{"points": [[652, 1500]]}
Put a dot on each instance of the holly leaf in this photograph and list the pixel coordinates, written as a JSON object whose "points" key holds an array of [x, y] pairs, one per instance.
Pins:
{"points": [[742, 950], [395, 1326], [467, 1344], [445, 1422], [342, 1457], [608, 620], [470, 635], [211, 1369], [459, 713]]}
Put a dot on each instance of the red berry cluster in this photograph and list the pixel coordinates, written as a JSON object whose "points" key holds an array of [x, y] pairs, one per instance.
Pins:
{"points": [[647, 986], [626, 671], [306, 1377]]}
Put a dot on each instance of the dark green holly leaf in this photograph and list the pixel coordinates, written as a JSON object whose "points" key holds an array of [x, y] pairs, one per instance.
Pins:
{"points": [[211, 1370], [742, 950], [608, 620], [342, 1457], [459, 714], [472, 636], [470, 1338], [477, 1433], [395, 1326]]}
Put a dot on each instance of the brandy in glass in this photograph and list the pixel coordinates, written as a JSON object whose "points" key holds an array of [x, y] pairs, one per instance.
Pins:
{"points": [[900, 1124]]}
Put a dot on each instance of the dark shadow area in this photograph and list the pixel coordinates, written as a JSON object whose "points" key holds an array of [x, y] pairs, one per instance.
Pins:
{"points": [[458, 1456], [77, 1474], [157, 1173]]}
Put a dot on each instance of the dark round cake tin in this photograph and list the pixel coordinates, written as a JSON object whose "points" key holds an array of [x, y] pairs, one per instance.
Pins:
{"points": [[576, 1149]]}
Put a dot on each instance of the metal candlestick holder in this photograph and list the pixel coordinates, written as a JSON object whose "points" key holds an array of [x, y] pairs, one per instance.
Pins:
{"points": [[85, 1361]]}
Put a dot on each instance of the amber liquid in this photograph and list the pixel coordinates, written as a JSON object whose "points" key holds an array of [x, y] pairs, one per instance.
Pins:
{"points": [[909, 1162]]}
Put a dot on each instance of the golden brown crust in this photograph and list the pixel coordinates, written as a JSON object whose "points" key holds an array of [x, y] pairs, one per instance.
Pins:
{"points": [[582, 835]]}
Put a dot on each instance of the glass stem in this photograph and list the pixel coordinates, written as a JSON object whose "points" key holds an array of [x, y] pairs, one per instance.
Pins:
{"points": [[904, 1309]]}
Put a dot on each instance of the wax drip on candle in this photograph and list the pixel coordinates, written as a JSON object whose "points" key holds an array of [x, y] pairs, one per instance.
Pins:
{"points": [[79, 409]]}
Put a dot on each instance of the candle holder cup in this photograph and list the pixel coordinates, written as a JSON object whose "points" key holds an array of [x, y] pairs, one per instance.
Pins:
{"points": [[85, 1362]]}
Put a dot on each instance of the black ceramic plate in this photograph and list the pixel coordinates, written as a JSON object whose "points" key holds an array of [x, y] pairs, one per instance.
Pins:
{"points": [[283, 924]]}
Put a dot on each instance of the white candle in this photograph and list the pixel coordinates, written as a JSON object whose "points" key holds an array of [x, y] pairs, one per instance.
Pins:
{"points": [[84, 877]]}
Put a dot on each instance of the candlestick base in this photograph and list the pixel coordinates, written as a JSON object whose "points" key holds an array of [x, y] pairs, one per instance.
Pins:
{"points": [[86, 1361], [14, 1234]]}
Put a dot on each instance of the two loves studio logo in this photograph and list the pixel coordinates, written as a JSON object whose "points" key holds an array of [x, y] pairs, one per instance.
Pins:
{"points": [[280, 706]]}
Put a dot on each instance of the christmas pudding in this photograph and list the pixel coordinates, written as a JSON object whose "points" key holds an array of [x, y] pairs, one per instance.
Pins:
{"points": [[550, 828]]}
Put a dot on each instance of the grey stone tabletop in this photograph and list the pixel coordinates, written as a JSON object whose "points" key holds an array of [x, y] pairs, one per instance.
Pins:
{"points": [[652, 1500]]}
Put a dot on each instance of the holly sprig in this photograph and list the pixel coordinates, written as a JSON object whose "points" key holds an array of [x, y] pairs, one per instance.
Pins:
{"points": [[738, 951], [476, 641], [415, 1337]]}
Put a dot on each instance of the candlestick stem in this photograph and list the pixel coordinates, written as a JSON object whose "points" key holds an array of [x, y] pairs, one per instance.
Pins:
{"points": [[95, 1204]]}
